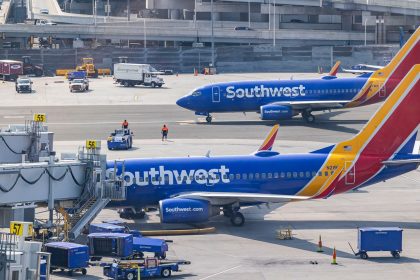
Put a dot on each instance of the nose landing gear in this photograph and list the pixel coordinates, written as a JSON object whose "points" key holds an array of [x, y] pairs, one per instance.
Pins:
{"points": [[237, 219]]}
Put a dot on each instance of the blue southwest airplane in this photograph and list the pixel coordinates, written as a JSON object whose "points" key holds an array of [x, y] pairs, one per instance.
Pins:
{"points": [[284, 99], [193, 189]]}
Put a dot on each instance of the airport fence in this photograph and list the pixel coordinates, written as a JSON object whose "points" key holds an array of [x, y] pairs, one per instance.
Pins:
{"points": [[261, 58]]}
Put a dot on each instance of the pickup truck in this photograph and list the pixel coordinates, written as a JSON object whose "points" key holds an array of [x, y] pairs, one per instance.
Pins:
{"points": [[79, 85], [23, 85]]}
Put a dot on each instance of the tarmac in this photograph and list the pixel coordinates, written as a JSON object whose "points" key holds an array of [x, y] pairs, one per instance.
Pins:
{"points": [[251, 251]]}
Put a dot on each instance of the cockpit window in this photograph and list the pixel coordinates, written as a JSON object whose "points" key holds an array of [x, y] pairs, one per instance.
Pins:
{"points": [[196, 93]]}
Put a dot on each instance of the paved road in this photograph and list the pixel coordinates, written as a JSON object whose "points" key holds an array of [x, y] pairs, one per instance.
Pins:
{"points": [[82, 122]]}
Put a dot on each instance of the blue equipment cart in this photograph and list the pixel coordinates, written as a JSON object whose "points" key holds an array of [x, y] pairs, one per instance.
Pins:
{"points": [[120, 139], [76, 75], [379, 239], [140, 244], [70, 256], [117, 245], [150, 267]]}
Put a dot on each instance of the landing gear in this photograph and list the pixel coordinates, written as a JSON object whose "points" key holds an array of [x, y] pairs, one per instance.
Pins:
{"points": [[308, 117], [131, 213], [209, 118], [237, 219]]}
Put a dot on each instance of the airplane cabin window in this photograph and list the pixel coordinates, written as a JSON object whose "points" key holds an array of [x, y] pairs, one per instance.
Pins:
{"points": [[238, 176], [251, 176], [282, 175], [276, 174], [244, 176], [319, 173], [301, 174], [326, 173], [308, 174], [257, 175], [269, 175], [313, 173], [263, 175], [231, 176], [289, 174], [225, 176]]}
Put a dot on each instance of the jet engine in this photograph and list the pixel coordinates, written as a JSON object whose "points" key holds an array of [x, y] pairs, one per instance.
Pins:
{"points": [[276, 112], [185, 210]]}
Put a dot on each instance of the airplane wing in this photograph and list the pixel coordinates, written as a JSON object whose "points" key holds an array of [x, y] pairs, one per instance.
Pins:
{"points": [[315, 105], [268, 143], [226, 198], [354, 71]]}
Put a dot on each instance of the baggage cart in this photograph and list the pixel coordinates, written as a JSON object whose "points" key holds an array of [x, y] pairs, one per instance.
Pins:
{"points": [[68, 256], [371, 239]]}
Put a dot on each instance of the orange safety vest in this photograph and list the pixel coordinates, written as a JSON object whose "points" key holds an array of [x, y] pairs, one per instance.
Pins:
{"points": [[165, 129], [125, 124]]}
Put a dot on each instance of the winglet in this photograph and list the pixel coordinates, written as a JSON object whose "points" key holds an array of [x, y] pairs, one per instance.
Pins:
{"points": [[334, 69], [268, 143]]}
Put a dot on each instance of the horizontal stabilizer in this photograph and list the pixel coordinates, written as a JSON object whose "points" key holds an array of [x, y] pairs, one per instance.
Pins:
{"points": [[401, 161]]}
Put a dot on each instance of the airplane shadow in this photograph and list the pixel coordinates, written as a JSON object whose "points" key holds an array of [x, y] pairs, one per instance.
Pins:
{"points": [[329, 125], [266, 233]]}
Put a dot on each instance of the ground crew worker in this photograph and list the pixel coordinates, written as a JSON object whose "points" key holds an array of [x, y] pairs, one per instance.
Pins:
{"points": [[165, 132], [125, 124]]}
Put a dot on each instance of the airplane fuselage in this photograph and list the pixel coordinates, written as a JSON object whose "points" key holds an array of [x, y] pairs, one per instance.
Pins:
{"points": [[150, 180]]}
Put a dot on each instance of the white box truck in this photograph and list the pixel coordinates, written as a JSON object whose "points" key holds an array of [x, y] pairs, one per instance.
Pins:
{"points": [[130, 75]]}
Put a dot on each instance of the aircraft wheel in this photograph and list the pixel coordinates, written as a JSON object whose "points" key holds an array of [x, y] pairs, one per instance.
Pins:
{"points": [[237, 219], [209, 119], [309, 118]]}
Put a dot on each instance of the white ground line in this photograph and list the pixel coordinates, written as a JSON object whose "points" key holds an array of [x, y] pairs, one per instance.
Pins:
{"points": [[221, 272]]}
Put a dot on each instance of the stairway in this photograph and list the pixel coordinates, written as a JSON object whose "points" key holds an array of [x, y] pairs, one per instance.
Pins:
{"points": [[85, 214]]}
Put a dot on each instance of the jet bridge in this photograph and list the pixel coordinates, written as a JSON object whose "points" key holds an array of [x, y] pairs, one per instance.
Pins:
{"points": [[75, 186]]}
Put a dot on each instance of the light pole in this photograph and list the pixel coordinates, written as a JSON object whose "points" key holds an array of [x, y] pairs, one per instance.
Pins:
{"points": [[274, 23], [144, 34], [249, 13], [94, 12], [212, 35], [195, 13], [366, 19], [128, 10], [269, 14]]}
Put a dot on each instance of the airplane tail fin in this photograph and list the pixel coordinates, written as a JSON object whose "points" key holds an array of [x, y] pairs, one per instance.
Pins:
{"points": [[393, 128], [334, 69], [268, 143], [383, 81]]}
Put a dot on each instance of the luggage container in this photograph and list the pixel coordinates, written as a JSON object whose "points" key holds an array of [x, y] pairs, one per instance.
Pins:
{"points": [[69, 256], [104, 227], [379, 239], [154, 245], [117, 245]]}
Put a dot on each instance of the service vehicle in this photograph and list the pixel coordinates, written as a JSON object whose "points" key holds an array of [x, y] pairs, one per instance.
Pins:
{"points": [[130, 75], [79, 85], [44, 11], [29, 68], [89, 67], [150, 267], [44, 22], [76, 75], [23, 85], [120, 139], [10, 69]]}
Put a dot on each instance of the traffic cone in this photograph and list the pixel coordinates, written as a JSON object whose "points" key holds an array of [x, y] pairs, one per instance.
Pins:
{"points": [[334, 257], [320, 245]]}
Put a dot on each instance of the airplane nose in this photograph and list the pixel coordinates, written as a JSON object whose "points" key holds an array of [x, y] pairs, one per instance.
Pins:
{"points": [[183, 102]]}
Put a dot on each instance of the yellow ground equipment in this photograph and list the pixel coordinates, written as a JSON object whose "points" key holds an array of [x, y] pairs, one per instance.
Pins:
{"points": [[89, 67]]}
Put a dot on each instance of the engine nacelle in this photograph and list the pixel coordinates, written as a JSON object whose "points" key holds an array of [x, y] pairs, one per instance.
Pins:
{"points": [[184, 210], [276, 112]]}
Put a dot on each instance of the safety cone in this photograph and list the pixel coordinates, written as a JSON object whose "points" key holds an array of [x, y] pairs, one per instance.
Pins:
{"points": [[320, 245], [334, 257]]}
